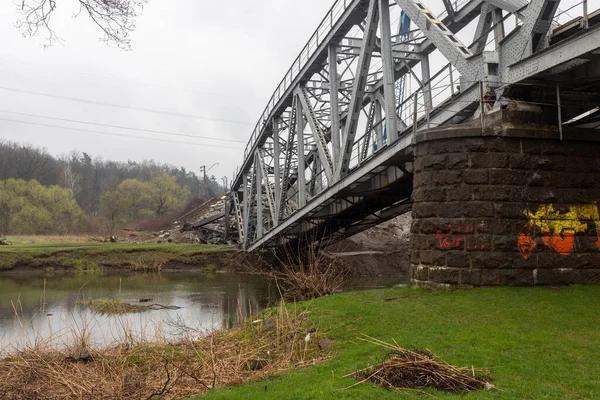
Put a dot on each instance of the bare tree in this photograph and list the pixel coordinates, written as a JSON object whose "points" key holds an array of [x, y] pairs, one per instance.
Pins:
{"points": [[115, 18], [69, 178]]}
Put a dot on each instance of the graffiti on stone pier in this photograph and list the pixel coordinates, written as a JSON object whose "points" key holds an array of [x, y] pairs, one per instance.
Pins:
{"points": [[453, 237], [556, 230]]}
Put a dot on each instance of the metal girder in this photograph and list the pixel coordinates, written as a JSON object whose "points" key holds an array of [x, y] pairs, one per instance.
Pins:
{"points": [[318, 134], [528, 38], [276, 170], [354, 177], [569, 49], [287, 166], [268, 189], [509, 5], [449, 8], [482, 30], [334, 104], [258, 168], [334, 82], [368, 130], [358, 90], [239, 220], [387, 62], [301, 182], [443, 39]]}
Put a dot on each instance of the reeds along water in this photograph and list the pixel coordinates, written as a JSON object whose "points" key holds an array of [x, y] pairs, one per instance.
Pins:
{"points": [[138, 366]]}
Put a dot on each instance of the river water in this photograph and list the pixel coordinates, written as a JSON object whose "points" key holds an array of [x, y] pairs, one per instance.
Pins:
{"points": [[47, 311]]}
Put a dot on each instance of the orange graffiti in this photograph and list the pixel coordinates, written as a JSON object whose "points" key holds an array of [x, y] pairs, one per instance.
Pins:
{"points": [[557, 229]]}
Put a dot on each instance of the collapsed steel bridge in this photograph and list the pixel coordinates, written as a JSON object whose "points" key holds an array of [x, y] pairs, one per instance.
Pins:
{"points": [[331, 154]]}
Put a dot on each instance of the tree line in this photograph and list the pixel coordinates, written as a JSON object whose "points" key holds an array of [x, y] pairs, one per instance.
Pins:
{"points": [[92, 191]]}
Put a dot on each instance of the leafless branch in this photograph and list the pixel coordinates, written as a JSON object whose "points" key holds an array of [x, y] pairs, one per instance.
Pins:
{"points": [[115, 18]]}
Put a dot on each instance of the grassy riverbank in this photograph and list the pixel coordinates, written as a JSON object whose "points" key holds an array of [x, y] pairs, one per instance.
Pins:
{"points": [[538, 343], [76, 254]]}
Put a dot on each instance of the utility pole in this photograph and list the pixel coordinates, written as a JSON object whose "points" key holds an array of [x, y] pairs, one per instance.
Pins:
{"points": [[204, 170], [224, 179]]}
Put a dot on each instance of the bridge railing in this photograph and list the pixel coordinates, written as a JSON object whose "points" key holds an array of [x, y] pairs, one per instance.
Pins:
{"points": [[305, 55]]}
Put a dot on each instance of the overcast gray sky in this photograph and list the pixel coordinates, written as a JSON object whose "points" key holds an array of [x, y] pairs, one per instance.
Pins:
{"points": [[215, 59]]}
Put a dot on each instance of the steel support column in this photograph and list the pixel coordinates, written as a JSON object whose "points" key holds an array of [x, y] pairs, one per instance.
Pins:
{"points": [[389, 80], [301, 182], [334, 103], [259, 203], [276, 168]]}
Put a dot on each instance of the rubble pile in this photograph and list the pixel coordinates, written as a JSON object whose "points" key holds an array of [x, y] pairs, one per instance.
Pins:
{"points": [[205, 224]]}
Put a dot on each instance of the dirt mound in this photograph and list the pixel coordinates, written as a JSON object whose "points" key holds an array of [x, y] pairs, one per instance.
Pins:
{"points": [[383, 250]]}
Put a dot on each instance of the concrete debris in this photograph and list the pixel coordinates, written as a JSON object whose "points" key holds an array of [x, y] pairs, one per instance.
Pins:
{"points": [[205, 225]]}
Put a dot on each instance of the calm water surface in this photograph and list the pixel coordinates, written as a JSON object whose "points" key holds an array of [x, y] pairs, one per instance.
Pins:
{"points": [[47, 310]]}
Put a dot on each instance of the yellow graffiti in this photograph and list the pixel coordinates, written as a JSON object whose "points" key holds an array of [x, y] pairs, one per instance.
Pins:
{"points": [[558, 229]]}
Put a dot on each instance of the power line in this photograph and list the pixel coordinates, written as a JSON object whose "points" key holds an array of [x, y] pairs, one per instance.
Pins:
{"points": [[149, 110], [118, 134], [134, 81], [123, 127]]}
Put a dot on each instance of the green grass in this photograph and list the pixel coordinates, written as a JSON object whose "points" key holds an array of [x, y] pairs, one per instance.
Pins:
{"points": [[538, 343], [91, 255], [113, 306]]}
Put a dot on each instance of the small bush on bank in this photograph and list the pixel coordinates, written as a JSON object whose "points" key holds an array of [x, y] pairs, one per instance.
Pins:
{"points": [[310, 274]]}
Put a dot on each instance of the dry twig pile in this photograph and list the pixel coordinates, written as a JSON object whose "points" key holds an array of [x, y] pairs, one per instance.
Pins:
{"points": [[406, 369]]}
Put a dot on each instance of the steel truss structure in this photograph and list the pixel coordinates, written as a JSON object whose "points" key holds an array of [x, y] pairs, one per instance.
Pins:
{"points": [[331, 154]]}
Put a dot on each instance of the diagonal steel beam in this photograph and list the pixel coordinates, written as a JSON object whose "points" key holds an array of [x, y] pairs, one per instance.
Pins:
{"points": [[358, 90], [318, 134], [267, 183], [443, 39]]}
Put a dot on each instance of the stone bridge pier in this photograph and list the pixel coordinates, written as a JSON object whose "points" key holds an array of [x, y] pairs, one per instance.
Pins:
{"points": [[509, 204]]}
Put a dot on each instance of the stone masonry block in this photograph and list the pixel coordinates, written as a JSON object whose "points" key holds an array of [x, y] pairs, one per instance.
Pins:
{"points": [[421, 273], [433, 257], [457, 161], [510, 210], [434, 162], [508, 177], [425, 210], [457, 259], [475, 176], [516, 277], [444, 275], [429, 194], [444, 146], [493, 192], [459, 193], [557, 276], [470, 277], [490, 277], [520, 161], [488, 160], [491, 260]]}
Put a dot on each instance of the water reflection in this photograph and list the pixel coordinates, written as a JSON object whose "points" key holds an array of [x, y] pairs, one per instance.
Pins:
{"points": [[38, 310]]}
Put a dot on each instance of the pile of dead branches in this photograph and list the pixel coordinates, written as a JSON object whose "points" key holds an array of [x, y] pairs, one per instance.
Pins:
{"points": [[406, 369]]}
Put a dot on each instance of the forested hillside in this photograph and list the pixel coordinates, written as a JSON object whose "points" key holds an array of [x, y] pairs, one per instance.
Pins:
{"points": [[41, 194]]}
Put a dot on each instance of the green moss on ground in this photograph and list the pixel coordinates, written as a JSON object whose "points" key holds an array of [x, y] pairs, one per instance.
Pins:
{"points": [[92, 256], [538, 343]]}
